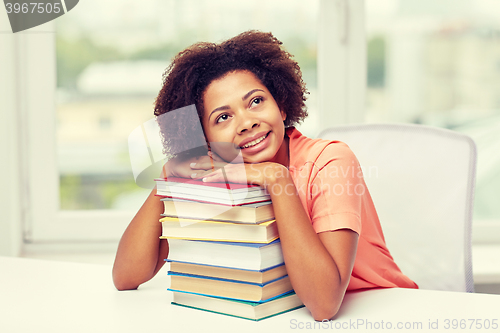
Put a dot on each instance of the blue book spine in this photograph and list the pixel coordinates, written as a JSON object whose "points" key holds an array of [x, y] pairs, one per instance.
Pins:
{"points": [[240, 269], [230, 298], [225, 280]]}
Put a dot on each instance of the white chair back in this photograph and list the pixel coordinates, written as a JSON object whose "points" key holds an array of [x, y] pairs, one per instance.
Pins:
{"points": [[422, 183]]}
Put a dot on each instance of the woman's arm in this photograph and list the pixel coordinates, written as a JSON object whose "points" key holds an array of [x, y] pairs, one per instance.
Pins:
{"points": [[141, 253], [319, 265]]}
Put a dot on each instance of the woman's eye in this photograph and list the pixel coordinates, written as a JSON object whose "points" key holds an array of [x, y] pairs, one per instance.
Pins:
{"points": [[223, 117], [256, 101]]}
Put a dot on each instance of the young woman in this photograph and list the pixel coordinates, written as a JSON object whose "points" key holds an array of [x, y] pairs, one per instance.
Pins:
{"points": [[249, 93]]}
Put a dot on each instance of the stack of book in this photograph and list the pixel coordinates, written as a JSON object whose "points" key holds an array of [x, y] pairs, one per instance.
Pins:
{"points": [[225, 255]]}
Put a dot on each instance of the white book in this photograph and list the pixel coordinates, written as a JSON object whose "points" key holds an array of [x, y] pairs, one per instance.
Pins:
{"points": [[251, 256], [220, 193]]}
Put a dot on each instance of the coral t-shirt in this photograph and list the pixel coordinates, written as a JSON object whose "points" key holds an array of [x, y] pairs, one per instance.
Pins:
{"points": [[331, 187]]}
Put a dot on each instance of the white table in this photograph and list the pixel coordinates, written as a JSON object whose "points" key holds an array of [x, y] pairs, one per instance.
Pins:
{"points": [[45, 296]]}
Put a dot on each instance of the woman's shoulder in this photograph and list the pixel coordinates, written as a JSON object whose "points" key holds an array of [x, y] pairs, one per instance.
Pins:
{"points": [[318, 151]]}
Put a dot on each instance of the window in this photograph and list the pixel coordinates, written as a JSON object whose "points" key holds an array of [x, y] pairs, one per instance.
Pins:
{"points": [[109, 62], [436, 63], [112, 76]]}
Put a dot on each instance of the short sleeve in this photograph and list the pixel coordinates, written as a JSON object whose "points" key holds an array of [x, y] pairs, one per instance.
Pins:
{"points": [[336, 190]]}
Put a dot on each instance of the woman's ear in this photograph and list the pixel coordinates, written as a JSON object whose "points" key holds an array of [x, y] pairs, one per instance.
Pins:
{"points": [[283, 115]]}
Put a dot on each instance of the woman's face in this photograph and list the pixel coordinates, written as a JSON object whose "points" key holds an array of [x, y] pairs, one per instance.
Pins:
{"points": [[241, 114]]}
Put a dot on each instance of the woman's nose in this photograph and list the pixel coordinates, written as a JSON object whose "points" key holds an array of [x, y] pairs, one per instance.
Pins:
{"points": [[247, 121]]}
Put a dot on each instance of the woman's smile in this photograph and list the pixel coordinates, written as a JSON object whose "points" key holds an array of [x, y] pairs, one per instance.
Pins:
{"points": [[248, 143]]}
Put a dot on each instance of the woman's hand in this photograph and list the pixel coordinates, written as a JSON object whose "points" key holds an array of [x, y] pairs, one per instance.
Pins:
{"points": [[189, 167], [263, 174]]}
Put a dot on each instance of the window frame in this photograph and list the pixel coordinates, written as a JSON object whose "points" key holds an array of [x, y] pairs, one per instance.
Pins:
{"points": [[341, 100], [10, 173], [44, 221], [341, 63]]}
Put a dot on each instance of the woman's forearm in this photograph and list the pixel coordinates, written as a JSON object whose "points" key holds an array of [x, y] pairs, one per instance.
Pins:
{"points": [[315, 275], [140, 252]]}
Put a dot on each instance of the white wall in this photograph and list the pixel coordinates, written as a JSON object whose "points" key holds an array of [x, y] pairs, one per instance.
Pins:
{"points": [[10, 194], [341, 63]]}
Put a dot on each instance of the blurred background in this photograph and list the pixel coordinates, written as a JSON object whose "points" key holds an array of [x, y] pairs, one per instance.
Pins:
{"points": [[433, 62], [438, 63], [109, 71], [428, 62]]}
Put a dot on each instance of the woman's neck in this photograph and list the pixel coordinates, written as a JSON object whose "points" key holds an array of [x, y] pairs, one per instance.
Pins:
{"points": [[283, 156]]}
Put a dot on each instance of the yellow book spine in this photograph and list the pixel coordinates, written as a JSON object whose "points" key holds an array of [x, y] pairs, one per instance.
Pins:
{"points": [[181, 220], [220, 240]]}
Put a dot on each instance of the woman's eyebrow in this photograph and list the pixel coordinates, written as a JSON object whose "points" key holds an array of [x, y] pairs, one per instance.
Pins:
{"points": [[220, 108], [250, 93]]}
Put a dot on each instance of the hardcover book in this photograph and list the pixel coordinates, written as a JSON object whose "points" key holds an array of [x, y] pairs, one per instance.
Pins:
{"points": [[249, 256], [222, 193], [233, 289], [252, 213], [245, 275], [247, 310], [173, 227]]}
